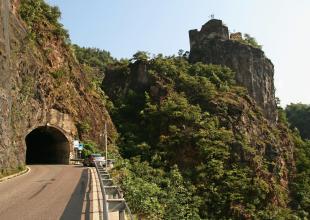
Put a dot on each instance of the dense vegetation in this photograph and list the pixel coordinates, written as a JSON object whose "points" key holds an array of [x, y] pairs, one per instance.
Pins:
{"points": [[192, 144], [298, 116], [182, 119], [36, 13], [300, 184], [93, 57]]}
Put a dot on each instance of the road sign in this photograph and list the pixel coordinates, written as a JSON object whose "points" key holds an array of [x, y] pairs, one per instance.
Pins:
{"points": [[76, 144], [81, 146]]}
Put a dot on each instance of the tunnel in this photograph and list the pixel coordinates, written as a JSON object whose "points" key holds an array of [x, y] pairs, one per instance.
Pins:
{"points": [[47, 145]]}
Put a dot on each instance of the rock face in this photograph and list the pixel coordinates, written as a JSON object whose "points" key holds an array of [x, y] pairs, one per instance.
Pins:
{"points": [[42, 85], [212, 45]]}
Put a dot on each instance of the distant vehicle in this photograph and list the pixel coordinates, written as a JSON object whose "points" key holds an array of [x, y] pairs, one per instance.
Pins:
{"points": [[90, 160]]}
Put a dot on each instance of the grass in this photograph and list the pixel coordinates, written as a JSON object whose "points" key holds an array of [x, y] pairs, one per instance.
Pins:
{"points": [[11, 171]]}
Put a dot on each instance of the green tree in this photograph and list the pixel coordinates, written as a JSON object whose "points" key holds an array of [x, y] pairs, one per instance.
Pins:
{"points": [[251, 41], [140, 56], [298, 116], [93, 57]]}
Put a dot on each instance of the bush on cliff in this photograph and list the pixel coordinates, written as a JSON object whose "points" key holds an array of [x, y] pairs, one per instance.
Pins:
{"points": [[38, 14]]}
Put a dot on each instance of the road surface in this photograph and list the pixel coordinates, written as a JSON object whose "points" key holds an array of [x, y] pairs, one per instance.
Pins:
{"points": [[48, 192]]}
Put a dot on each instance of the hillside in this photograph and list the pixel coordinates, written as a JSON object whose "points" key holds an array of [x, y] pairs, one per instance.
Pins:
{"points": [[194, 120], [42, 83], [201, 141], [232, 151]]}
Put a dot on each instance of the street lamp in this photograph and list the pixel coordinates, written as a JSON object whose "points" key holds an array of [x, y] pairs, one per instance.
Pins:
{"points": [[106, 144]]}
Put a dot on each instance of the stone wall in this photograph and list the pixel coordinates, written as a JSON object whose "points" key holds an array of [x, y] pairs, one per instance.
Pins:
{"points": [[253, 69], [214, 29], [235, 36]]}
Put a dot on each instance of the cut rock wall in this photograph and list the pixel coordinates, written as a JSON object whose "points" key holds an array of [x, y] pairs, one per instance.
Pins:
{"points": [[30, 96]]}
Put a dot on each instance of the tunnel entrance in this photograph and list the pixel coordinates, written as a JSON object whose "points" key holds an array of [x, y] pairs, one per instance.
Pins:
{"points": [[47, 145]]}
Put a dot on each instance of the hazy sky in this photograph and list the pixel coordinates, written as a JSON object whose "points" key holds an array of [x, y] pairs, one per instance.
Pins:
{"points": [[161, 26]]}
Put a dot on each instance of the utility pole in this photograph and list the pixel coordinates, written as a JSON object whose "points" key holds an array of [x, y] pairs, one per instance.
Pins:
{"points": [[106, 144]]}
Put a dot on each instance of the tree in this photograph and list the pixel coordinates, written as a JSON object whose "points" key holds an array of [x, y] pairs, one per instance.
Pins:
{"points": [[140, 56], [298, 116], [251, 41]]}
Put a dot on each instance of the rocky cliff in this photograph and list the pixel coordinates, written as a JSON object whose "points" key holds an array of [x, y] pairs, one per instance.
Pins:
{"points": [[41, 83], [213, 45], [241, 171]]}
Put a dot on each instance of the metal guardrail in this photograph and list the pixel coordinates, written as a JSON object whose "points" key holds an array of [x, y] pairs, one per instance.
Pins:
{"points": [[113, 200]]}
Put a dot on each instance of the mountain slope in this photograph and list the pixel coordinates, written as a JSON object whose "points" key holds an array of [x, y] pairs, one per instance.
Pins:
{"points": [[45, 84], [170, 112]]}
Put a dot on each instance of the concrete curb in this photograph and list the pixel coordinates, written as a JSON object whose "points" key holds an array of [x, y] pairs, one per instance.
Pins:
{"points": [[27, 170], [96, 198]]}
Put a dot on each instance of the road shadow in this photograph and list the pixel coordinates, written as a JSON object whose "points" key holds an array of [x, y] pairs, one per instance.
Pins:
{"points": [[39, 191], [78, 166], [74, 208]]}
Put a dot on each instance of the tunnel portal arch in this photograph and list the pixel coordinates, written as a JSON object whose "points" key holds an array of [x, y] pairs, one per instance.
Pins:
{"points": [[47, 145]]}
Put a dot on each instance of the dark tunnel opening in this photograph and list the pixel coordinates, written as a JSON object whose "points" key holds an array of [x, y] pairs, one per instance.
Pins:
{"points": [[47, 145]]}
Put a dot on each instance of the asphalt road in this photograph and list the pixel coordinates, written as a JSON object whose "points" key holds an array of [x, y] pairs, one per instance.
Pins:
{"points": [[47, 192]]}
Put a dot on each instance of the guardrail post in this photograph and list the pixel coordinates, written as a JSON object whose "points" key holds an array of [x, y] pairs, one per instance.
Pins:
{"points": [[122, 215]]}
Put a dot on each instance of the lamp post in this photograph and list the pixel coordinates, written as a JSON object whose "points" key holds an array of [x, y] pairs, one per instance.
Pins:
{"points": [[106, 144]]}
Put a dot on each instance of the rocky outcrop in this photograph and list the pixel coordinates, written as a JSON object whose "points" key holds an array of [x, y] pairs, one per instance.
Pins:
{"points": [[41, 84], [212, 45]]}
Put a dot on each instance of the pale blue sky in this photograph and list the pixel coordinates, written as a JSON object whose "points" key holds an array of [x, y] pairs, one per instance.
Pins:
{"points": [[161, 26]]}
